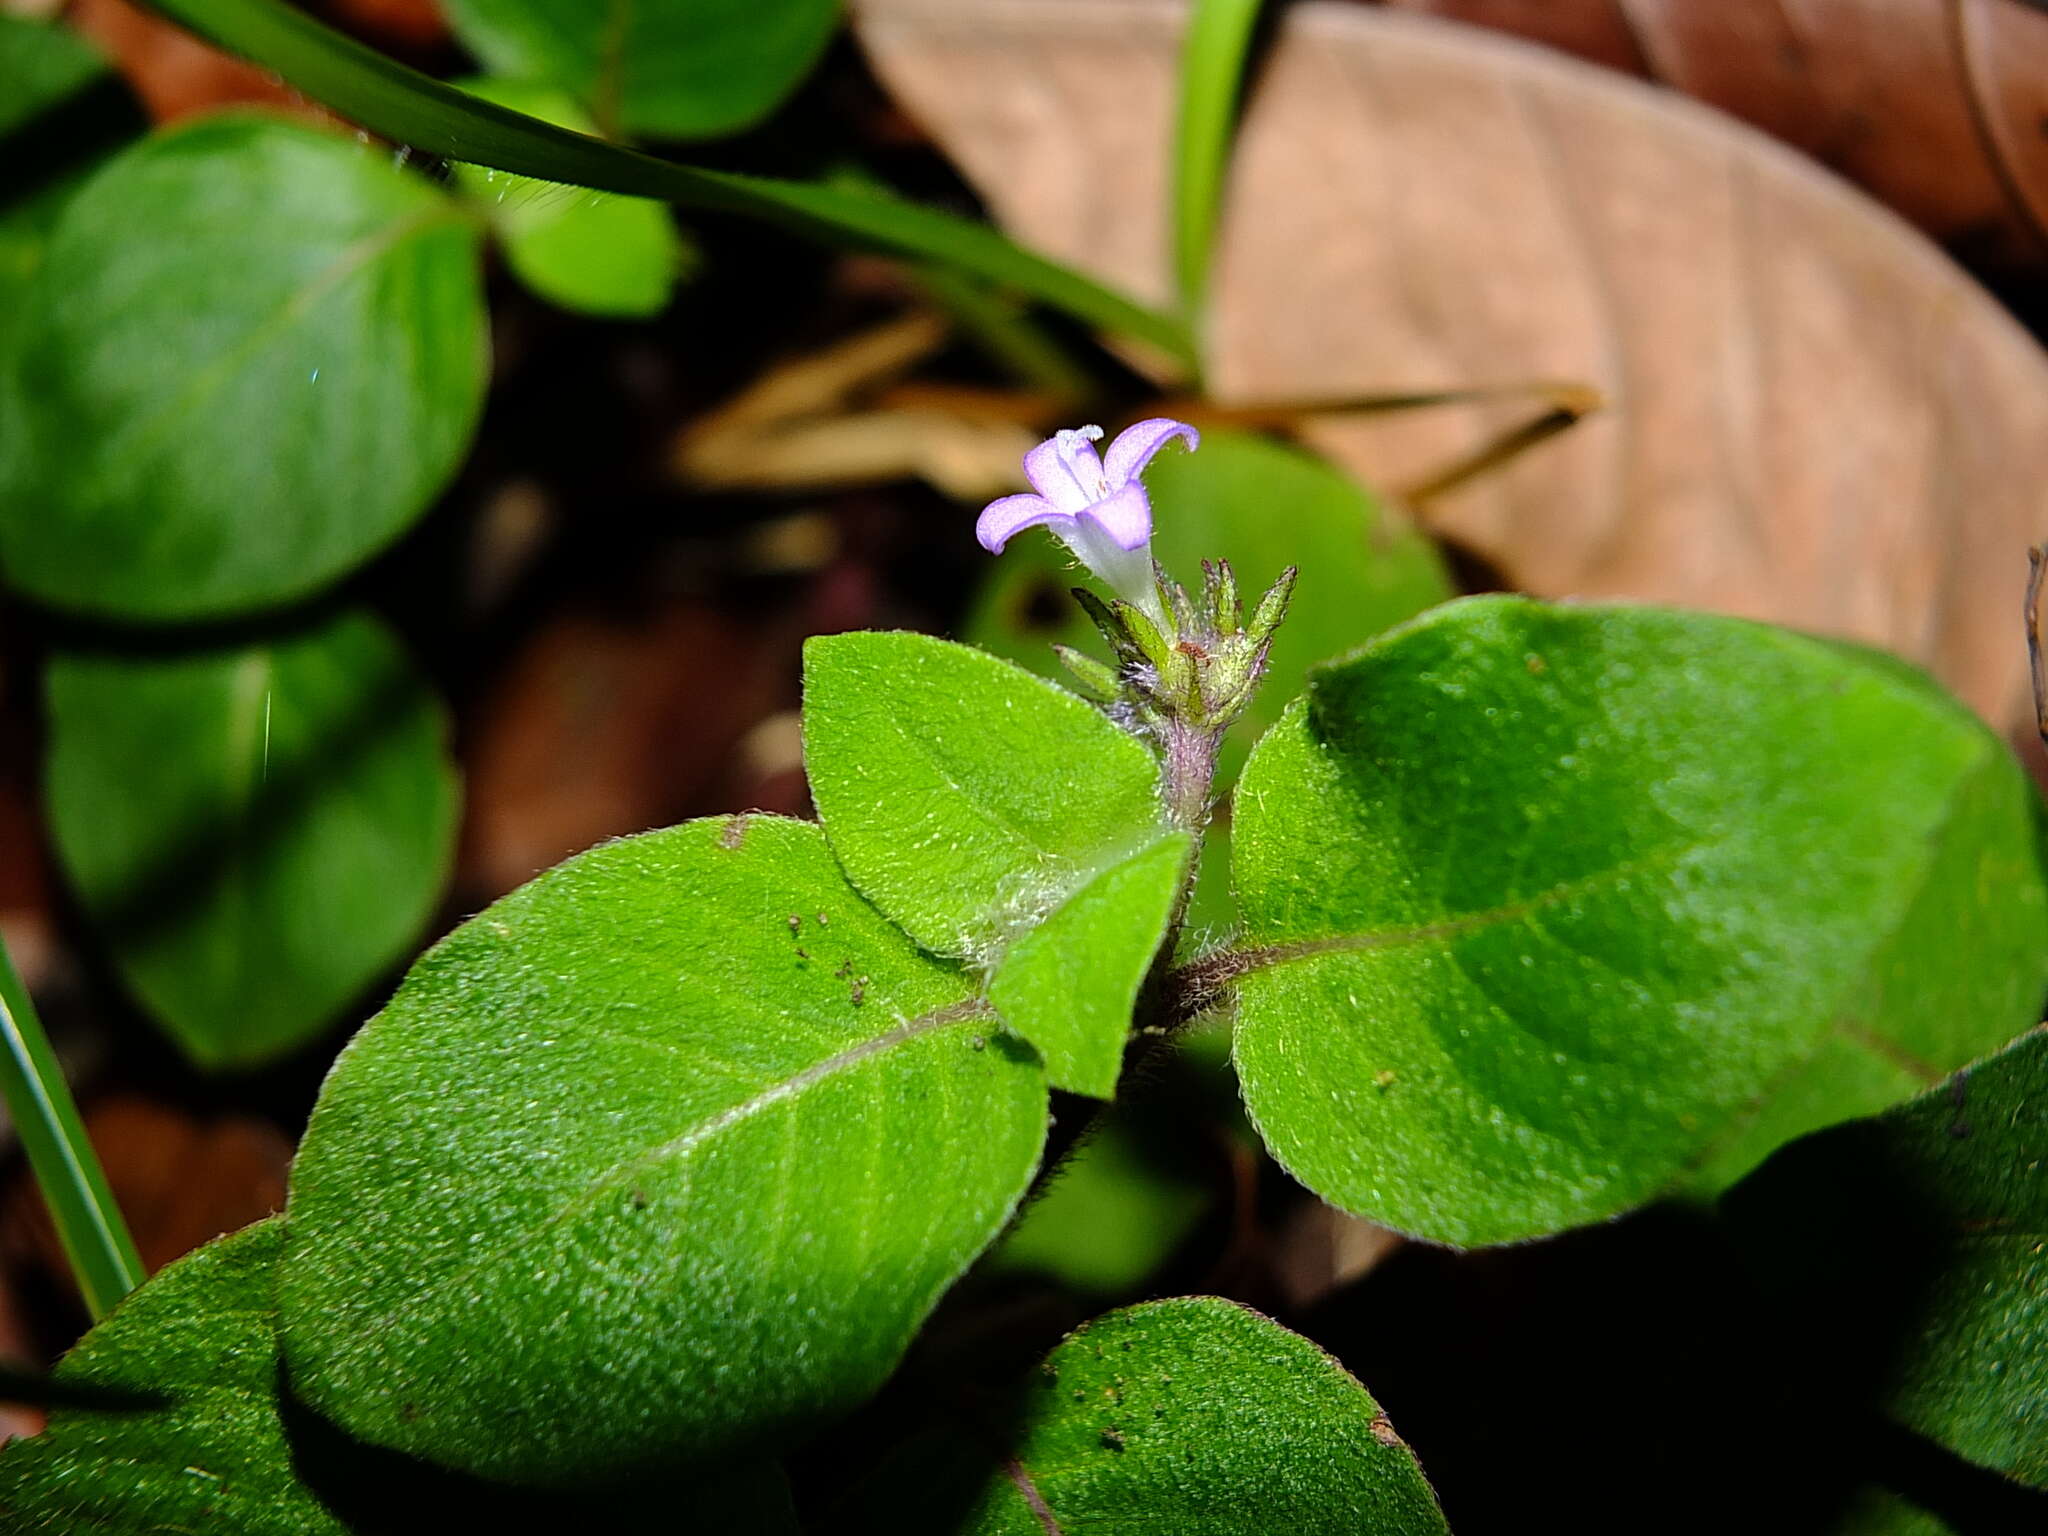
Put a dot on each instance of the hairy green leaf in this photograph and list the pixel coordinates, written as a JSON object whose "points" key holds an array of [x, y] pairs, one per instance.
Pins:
{"points": [[187, 1436], [964, 796], [1919, 1240], [1069, 984], [1547, 908], [1195, 1415], [668, 1153], [172, 1420], [258, 833], [669, 68], [588, 251], [254, 398]]}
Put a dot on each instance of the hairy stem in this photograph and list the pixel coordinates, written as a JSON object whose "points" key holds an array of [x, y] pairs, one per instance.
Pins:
{"points": [[1189, 772]]}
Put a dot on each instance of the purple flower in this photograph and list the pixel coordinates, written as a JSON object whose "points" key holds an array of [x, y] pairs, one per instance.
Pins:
{"points": [[1094, 506]]}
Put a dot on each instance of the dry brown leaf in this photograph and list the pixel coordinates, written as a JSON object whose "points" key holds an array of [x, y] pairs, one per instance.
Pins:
{"points": [[1817, 418], [799, 426], [1936, 106]]}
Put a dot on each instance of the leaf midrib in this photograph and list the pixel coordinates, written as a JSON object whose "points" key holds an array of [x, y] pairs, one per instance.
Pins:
{"points": [[1232, 964], [687, 1140]]}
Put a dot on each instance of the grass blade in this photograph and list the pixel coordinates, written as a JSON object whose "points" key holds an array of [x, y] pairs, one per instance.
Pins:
{"points": [[414, 109], [89, 1224], [1219, 38]]}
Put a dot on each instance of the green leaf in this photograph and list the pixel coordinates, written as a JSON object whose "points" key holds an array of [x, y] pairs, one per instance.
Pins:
{"points": [[1919, 1240], [668, 1153], [411, 108], [1547, 908], [965, 797], [586, 251], [1877, 1511], [253, 399], [1069, 984], [1195, 1415], [257, 833], [1117, 1208], [178, 1426], [47, 69], [190, 1437], [41, 65], [670, 68]]}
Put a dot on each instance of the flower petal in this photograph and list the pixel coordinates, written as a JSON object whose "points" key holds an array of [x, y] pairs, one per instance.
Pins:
{"points": [[1003, 519], [1125, 515], [1065, 471], [1135, 445]]}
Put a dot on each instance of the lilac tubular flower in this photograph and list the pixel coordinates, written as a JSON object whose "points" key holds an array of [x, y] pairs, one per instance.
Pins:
{"points": [[1094, 506]]}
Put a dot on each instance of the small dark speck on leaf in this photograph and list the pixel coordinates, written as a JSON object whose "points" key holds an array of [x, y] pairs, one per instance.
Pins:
{"points": [[1536, 664], [1113, 1438], [978, 1043], [802, 953], [824, 921], [1080, 1394], [796, 924], [734, 834], [639, 1199], [408, 1411]]}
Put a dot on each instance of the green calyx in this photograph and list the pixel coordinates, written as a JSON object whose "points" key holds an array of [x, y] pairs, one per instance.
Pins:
{"points": [[1200, 669]]}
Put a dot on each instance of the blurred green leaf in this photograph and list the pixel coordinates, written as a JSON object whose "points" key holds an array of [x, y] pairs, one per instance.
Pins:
{"points": [[254, 355], [1547, 907], [41, 64], [684, 69], [1195, 1415], [668, 1153], [1880, 1512], [257, 833], [198, 1345], [964, 796], [1918, 1239], [586, 251], [1115, 1211], [1069, 984], [45, 67], [411, 108]]}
